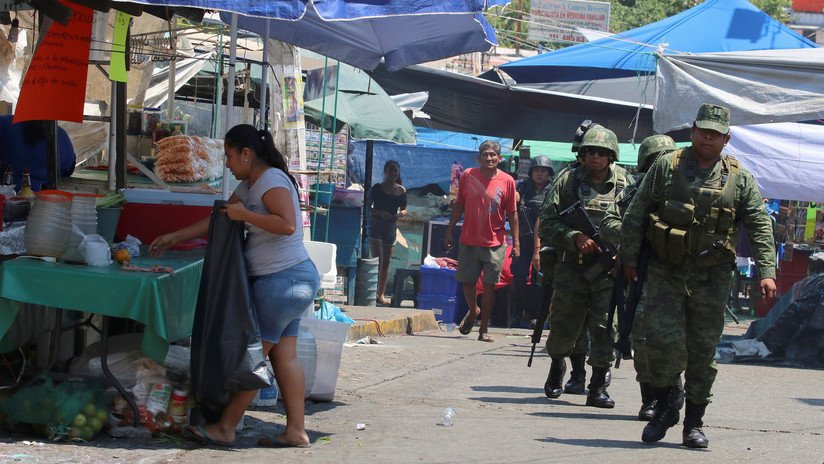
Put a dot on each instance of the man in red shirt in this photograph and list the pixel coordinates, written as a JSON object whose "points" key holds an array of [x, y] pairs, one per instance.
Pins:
{"points": [[486, 198]]}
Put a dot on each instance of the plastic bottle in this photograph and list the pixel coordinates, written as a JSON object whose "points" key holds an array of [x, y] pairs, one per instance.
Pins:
{"points": [[177, 131], [25, 190], [178, 404], [448, 417]]}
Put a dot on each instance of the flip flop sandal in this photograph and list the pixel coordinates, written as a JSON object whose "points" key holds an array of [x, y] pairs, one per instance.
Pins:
{"points": [[485, 338], [200, 434], [274, 443], [466, 325]]}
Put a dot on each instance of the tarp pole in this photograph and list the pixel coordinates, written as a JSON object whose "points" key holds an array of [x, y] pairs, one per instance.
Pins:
{"points": [[112, 137], [367, 181], [230, 97], [320, 149], [264, 80], [170, 96], [332, 153]]}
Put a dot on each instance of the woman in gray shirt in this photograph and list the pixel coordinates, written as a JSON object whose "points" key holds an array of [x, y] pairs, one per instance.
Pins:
{"points": [[283, 279]]}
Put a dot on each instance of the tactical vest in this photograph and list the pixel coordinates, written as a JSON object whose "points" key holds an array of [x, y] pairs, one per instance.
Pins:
{"points": [[696, 222], [576, 187], [533, 202]]}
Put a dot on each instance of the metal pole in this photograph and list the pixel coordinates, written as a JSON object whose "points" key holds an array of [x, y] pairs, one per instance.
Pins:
{"points": [[113, 138], [320, 149], [230, 97], [52, 156], [264, 80], [120, 133], [170, 96], [332, 153], [367, 181]]}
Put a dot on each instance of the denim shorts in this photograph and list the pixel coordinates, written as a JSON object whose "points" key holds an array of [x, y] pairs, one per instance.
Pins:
{"points": [[280, 299], [385, 231]]}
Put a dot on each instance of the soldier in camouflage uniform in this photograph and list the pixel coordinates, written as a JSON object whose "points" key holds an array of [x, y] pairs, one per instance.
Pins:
{"points": [[689, 205], [578, 304], [650, 149], [546, 259]]}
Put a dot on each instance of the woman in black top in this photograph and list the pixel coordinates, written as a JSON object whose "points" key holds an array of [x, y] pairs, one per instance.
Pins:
{"points": [[388, 204]]}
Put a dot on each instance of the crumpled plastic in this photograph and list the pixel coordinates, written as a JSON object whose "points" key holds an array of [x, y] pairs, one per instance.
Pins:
{"points": [[330, 312], [750, 347], [131, 243]]}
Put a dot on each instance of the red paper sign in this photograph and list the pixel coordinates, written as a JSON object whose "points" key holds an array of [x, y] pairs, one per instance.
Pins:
{"points": [[55, 84]]}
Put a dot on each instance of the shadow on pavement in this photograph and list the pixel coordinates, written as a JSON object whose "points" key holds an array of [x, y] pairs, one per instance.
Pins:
{"points": [[607, 443], [525, 400], [811, 401], [585, 415], [507, 389]]}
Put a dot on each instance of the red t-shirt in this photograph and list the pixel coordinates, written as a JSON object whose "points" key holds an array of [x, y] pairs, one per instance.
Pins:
{"points": [[487, 202]]}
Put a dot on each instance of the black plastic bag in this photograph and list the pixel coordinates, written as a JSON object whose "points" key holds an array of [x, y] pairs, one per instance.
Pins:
{"points": [[227, 354]]}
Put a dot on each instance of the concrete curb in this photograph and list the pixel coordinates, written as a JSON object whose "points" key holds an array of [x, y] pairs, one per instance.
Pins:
{"points": [[409, 323]]}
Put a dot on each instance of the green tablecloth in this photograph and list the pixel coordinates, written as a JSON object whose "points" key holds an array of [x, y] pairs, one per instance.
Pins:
{"points": [[164, 303]]}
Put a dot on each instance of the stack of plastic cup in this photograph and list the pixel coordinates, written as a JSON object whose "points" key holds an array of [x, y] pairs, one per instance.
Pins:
{"points": [[84, 222], [48, 225]]}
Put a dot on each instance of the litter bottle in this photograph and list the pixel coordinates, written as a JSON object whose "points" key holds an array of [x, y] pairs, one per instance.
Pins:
{"points": [[448, 417]]}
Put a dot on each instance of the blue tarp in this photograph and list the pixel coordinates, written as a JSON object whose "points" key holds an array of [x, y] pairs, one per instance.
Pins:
{"points": [[359, 33], [420, 165], [712, 26], [434, 138]]}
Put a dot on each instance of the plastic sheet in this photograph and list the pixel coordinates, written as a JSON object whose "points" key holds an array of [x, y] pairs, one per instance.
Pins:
{"points": [[227, 353]]}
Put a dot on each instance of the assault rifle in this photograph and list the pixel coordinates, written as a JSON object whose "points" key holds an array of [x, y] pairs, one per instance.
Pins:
{"points": [[543, 312], [576, 216], [626, 306]]}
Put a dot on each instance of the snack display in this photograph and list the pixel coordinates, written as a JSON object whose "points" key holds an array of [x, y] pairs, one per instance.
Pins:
{"points": [[183, 158]]}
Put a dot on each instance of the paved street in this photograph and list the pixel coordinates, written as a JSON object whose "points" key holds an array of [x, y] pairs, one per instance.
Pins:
{"points": [[762, 414]]}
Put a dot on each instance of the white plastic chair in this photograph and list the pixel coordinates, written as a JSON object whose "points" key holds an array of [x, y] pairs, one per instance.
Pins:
{"points": [[324, 255]]}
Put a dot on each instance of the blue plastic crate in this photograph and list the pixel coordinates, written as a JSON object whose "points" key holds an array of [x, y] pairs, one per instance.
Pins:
{"points": [[451, 309], [439, 282]]}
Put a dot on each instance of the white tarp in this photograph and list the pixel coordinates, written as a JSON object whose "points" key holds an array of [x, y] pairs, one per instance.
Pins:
{"points": [[786, 159], [758, 86]]}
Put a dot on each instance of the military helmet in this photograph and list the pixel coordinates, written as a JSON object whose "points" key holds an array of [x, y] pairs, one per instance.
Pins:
{"points": [[582, 129], [600, 136], [653, 145], [541, 161]]}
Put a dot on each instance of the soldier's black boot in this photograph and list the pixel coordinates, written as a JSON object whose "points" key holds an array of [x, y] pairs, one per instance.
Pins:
{"points": [[557, 370], [598, 395], [576, 384], [647, 402], [679, 394], [666, 415], [693, 432]]}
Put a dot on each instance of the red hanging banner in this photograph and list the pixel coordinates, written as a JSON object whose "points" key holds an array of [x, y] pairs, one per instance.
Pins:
{"points": [[55, 84]]}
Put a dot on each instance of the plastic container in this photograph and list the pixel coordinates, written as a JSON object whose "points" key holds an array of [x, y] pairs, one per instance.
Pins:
{"points": [[366, 282], [267, 397], [347, 197], [448, 419], [178, 406], [84, 222], [159, 398], [447, 310], [329, 337], [48, 226], [439, 282], [307, 351]]}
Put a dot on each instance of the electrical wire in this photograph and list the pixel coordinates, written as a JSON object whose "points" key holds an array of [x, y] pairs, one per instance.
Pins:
{"points": [[22, 370]]}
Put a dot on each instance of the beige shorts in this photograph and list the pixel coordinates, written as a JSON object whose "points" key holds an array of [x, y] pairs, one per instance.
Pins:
{"points": [[474, 259]]}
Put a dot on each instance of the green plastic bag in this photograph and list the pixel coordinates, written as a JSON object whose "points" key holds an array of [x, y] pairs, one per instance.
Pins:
{"points": [[70, 410]]}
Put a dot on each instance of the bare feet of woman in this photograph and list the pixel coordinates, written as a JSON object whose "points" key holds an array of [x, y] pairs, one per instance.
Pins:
{"points": [[213, 435], [285, 441], [383, 300]]}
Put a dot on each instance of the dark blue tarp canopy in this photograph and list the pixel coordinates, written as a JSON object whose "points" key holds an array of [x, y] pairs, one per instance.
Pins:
{"points": [[360, 32], [712, 26]]}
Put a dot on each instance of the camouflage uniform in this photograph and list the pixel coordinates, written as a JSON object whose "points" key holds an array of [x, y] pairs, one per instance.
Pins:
{"points": [[579, 306], [650, 148], [686, 287]]}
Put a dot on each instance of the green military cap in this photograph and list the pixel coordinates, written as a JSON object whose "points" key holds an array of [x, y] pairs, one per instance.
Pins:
{"points": [[713, 117]]}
